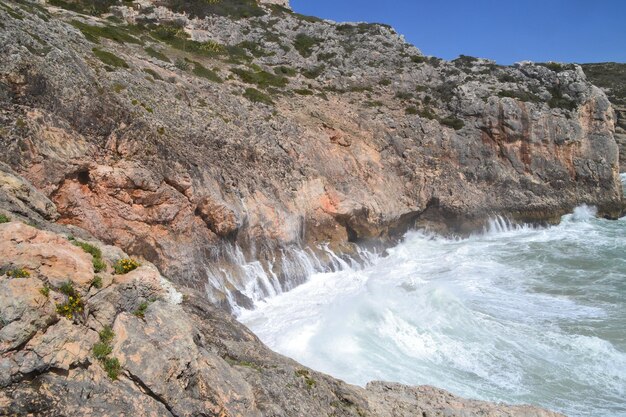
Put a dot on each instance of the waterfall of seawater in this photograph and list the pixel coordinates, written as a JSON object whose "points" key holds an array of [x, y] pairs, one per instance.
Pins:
{"points": [[517, 314], [239, 281]]}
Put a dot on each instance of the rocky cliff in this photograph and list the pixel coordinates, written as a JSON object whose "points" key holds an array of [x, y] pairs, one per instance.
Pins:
{"points": [[124, 342], [199, 135], [611, 77], [234, 146]]}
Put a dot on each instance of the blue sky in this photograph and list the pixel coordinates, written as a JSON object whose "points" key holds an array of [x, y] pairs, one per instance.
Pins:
{"points": [[506, 31]]}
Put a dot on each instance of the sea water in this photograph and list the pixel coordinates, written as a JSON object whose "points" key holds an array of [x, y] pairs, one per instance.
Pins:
{"points": [[514, 314]]}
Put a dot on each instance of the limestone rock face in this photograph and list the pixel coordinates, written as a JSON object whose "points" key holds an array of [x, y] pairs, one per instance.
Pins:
{"points": [[611, 77], [203, 135], [284, 3], [174, 359]]}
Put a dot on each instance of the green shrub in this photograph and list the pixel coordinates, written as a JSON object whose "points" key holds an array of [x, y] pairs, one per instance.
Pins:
{"points": [[112, 367], [156, 54], [96, 282], [402, 95], [109, 59], [418, 59], [384, 82], [257, 96], [203, 72], [18, 273], [118, 88], [465, 60], [124, 266], [554, 66], [73, 304], [411, 110], [98, 264], [261, 78], [177, 38], [304, 92], [307, 377], [182, 64], [427, 113], [314, 72], [285, 71], [94, 33], [92, 7], [452, 122], [45, 291], [141, 310], [4, 219], [153, 73], [106, 334], [520, 95], [253, 48], [558, 101], [304, 44], [326, 56], [235, 9], [101, 350]]}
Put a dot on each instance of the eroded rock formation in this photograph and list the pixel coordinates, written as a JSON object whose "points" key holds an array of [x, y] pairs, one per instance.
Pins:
{"points": [[185, 132], [175, 355]]}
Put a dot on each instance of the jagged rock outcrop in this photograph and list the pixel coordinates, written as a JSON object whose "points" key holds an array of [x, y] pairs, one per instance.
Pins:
{"points": [[611, 77], [169, 355], [185, 132]]}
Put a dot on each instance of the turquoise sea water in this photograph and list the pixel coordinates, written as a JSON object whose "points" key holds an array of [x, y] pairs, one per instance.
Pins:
{"points": [[516, 314]]}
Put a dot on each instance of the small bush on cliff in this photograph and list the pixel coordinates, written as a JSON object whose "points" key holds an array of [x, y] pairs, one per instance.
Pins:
{"points": [[313, 73], [285, 71], [235, 9], [18, 273], [260, 77], [176, 37], [141, 310], [156, 54], [102, 351], [112, 367], [45, 291], [96, 282], [4, 219], [452, 122], [256, 96], [109, 59], [520, 95], [310, 382], [92, 7], [182, 65], [124, 266], [95, 252], [304, 44], [200, 71], [73, 303], [558, 101], [94, 33]]}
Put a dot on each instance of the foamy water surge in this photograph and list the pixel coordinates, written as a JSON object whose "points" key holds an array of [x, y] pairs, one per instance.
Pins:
{"points": [[515, 314]]}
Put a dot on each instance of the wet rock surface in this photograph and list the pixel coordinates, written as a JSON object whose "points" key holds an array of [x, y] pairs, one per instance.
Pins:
{"points": [[178, 356]]}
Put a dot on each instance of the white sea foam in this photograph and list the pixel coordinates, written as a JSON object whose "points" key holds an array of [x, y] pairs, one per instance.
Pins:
{"points": [[516, 314]]}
